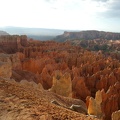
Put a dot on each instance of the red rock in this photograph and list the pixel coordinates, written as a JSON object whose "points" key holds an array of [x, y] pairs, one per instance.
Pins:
{"points": [[78, 85], [46, 78], [89, 71], [11, 43], [111, 100]]}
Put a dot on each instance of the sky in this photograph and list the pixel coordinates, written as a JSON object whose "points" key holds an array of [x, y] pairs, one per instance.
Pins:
{"points": [[61, 14]]}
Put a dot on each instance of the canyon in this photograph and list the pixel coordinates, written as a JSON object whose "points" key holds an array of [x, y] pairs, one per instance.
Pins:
{"points": [[64, 71]]}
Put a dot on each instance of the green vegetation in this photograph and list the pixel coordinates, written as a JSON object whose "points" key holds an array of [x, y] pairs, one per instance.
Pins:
{"points": [[103, 47]]}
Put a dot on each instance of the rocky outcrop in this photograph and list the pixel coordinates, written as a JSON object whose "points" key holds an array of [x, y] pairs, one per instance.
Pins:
{"points": [[12, 59], [31, 84], [5, 66], [15, 60], [8, 63], [94, 105], [111, 99], [21, 102], [108, 47], [62, 84], [88, 35], [78, 108], [11, 43], [105, 104], [5, 70], [46, 78], [116, 115], [78, 86]]}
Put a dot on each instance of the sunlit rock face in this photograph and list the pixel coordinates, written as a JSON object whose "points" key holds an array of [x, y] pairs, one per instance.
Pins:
{"points": [[116, 115], [94, 105], [5, 70], [110, 100], [62, 84], [9, 62]]}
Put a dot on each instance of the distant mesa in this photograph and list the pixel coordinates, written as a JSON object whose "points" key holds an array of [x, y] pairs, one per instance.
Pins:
{"points": [[88, 35], [3, 33]]}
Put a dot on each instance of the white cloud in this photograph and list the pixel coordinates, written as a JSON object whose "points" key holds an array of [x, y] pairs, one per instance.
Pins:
{"points": [[63, 14]]}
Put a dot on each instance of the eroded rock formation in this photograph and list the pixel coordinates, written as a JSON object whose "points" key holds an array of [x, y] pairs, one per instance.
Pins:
{"points": [[79, 88], [111, 99], [5, 70], [62, 84], [11, 44], [94, 105], [86, 71], [116, 115]]}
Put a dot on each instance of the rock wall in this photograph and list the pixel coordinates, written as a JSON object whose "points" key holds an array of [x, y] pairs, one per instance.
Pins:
{"points": [[5, 66], [9, 62], [116, 115], [11, 43], [88, 35]]}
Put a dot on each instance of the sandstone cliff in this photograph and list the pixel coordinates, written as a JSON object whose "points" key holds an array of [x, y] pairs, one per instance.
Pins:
{"points": [[11, 43], [88, 35]]}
